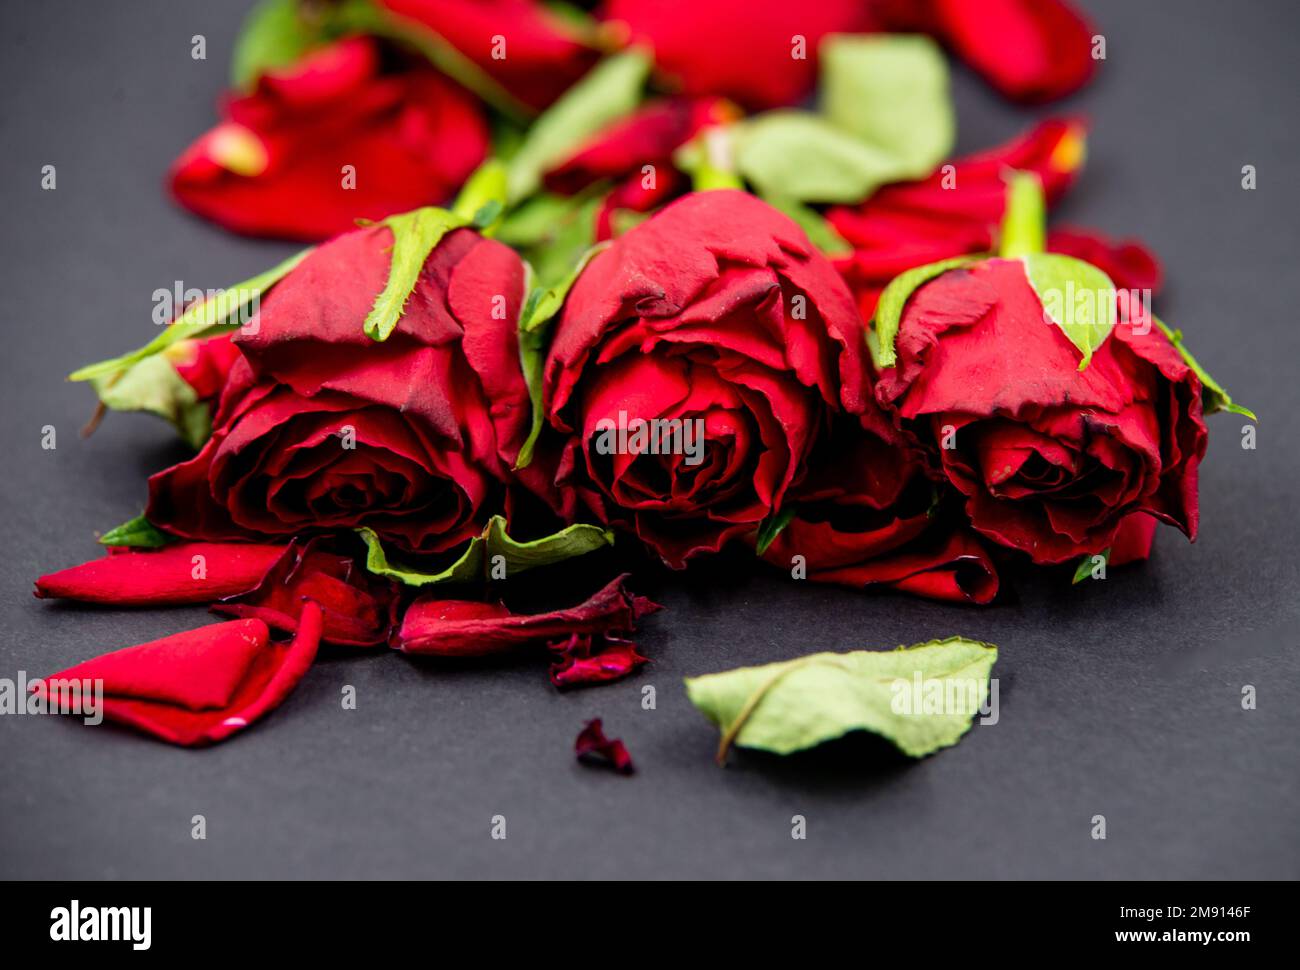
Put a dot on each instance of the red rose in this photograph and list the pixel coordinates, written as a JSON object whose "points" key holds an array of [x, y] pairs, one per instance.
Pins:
{"points": [[739, 49], [866, 515], [1030, 50], [953, 212], [321, 427], [719, 320], [525, 47], [1051, 458], [337, 137]]}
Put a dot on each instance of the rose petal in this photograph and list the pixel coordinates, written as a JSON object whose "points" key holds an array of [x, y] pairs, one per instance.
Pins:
{"points": [[593, 748], [584, 659], [464, 628], [184, 572], [199, 687], [357, 607]]}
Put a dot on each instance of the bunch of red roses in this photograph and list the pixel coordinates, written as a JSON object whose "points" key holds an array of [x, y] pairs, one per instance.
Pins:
{"points": [[655, 319]]}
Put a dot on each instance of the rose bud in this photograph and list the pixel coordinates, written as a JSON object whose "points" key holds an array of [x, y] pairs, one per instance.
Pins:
{"points": [[768, 59], [180, 384], [321, 427], [692, 366], [955, 211], [524, 46], [1055, 421], [1030, 50], [345, 133]]}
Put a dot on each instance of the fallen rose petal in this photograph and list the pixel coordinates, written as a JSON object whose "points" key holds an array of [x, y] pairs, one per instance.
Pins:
{"points": [[187, 572], [278, 163], [585, 659], [467, 628], [1030, 50], [358, 607], [593, 748], [201, 686]]}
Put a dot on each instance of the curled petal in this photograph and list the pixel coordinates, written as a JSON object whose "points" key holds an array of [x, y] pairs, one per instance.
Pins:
{"points": [[464, 628], [358, 608], [593, 748], [199, 687], [585, 659]]}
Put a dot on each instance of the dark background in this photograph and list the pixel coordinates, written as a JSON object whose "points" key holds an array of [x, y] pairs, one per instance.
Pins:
{"points": [[1119, 698]]}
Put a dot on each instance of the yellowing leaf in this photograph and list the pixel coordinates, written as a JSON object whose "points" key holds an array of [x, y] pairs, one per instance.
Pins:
{"points": [[920, 698]]}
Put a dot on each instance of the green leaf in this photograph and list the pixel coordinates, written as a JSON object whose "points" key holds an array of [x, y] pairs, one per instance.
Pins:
{"points": [[415, 235], [1086, 566], [477, 559], [801, 156], [891, 92], [138, 533], [609, 91], [893, 300], [152, 385], [1077, 296], [482, 200], [820, 232], [198, 320], [798, 704], [1024, 225], [273, 35], [771, 527], [1213, 397], [541, 306]]}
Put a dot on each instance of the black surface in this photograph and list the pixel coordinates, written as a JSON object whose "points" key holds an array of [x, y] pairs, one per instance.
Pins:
{"points": [[1119, 698]]}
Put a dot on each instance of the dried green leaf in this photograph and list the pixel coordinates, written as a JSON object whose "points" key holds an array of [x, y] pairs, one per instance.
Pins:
{"points": [[1213, 397], [920, 698], [477, 558], [891, 92], [415, 235], [1077, 296], [893, 300], [152, 385]]}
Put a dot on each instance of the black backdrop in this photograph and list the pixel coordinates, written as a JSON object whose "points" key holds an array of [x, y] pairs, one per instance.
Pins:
{"points": [[1119, 698]]}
